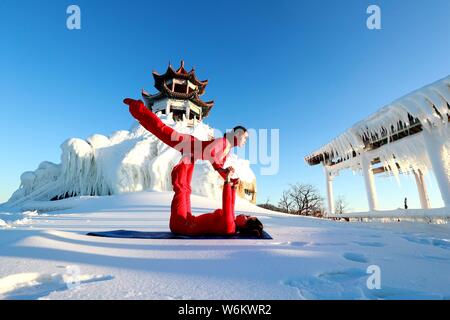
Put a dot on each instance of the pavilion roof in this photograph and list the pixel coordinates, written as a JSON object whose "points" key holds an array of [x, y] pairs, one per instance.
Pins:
{"points": [[181, 74], [423, 109], [165, 92]]}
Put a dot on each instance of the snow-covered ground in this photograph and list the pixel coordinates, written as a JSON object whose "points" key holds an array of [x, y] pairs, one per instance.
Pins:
{"points": [[47, 255]]}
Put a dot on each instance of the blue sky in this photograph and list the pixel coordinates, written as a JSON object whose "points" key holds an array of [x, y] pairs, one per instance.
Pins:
{"points": [[309, 68]]}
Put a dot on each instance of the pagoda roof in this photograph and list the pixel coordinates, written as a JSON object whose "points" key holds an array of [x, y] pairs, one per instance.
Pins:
{"points": [[180, 73], [167, 93]]}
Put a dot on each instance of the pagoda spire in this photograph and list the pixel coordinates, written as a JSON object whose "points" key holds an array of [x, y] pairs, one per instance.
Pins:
{"points": [[181, 69]]}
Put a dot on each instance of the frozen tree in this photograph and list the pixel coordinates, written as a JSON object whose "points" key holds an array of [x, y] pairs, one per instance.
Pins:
{"points": [[341, 205], [305, 200], [285, 203]]}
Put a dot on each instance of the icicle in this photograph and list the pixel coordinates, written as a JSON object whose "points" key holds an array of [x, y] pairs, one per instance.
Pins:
{"points": [[429, 105]]}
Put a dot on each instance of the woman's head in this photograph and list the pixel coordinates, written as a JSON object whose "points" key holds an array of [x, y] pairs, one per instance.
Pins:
{"points": [[249, 225], [238, 136]]}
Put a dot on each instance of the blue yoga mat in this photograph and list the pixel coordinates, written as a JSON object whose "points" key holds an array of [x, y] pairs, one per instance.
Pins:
{"points": [[168, 235]]}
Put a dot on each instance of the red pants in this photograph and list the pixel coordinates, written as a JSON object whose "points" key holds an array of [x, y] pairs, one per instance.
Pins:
{"points": [[219, 222]]}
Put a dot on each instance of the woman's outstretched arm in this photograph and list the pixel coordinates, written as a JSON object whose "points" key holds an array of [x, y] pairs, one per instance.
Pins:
{"points": [[228, 206], [233, 196]]}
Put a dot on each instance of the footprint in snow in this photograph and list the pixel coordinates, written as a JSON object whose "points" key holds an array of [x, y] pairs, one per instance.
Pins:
{"points": [[336, 284], [351, 284], [391, 293], [343, 275], [440, 243], [355, 257], [370, 244], [417, 240]]}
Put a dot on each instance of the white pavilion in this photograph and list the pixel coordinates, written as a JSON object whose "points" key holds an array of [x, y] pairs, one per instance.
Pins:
{"points": [[409, 136]]}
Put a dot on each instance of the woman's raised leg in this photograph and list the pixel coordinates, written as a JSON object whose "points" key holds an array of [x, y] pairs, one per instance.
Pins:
{"points": [[150, 121]]}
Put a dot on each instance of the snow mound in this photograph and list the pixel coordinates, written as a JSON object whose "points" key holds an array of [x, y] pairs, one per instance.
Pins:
{"points": [[126, 161]]}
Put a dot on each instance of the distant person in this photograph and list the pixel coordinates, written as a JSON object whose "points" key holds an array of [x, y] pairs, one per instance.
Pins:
{"points": [[406, 203]]}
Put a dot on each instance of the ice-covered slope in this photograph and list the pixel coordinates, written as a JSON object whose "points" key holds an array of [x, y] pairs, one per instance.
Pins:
{"points": [[48, 256], [126, 161]]}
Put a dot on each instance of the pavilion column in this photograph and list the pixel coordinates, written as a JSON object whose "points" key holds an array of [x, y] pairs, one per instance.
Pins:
{"points": [[168, 107], [330, 196], [369, 181], [422, 188], [435, 150], [188, 111]]}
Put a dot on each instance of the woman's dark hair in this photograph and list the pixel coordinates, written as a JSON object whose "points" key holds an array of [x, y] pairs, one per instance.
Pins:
{"points": [[237, 128], [253, 227]]}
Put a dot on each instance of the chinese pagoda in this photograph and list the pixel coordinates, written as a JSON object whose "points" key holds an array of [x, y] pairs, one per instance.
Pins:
{"points": [[179, 93]]}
